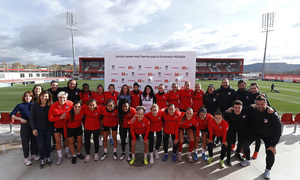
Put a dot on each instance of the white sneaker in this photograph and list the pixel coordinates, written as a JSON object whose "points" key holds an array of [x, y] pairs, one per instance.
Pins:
{"points": [[103, 156], [179, 157], [115, 156], [59, 160], [267, 174], [27, 161], [68, 155], [129, 157], [189, 157], [151, 159], [122, 156], [245, 163], [87, 158], [156, 154], [96, 157], [34, 157]]}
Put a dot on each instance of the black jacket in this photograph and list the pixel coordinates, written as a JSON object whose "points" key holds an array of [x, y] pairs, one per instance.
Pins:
{"points": [[227, 96], [211, 102], [244, 96], [73, 95]]}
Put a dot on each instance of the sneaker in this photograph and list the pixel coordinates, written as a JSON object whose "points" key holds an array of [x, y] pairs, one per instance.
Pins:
{"points": [[245, 163], [232, 147], [129, 156], [195, 157], [145, 161], [151, 159], [34, 157], [74, 160], [255, 155], [104, 156], [174, 158], [222, 164], [156, 154], [100, 143], [210, 159], [111, 141], [53, 147], [115, 156], [59, 160], [132, 161], [267, 174], [122, 156], [49, 161], [189, 157], [87, 158], [42, 163], [204, 157], [27, 162], [80, 156], [96, 157], [68, 155], [165, 158], [239, 156], [179, 157], [228, 162]]}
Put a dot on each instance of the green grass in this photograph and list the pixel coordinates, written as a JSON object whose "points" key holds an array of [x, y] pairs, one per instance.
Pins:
{"points": [[286, 101]]}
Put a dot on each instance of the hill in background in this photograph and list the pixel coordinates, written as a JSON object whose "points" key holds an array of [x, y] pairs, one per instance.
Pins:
{"points": [[272, 68]]}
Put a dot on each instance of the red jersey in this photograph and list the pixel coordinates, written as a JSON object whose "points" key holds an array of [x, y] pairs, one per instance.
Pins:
{"points": [[186, 98], [203, 124], [99, 98], [127, 117], [114, 96], [92, 118], [173, 98], [198, 100], [56, 111], [142, 127], [161, 100], [171, 123], [218, 129], [85, 97], [110, 118], [156, 123], [135, 98], [188, 124], [68, 123]]}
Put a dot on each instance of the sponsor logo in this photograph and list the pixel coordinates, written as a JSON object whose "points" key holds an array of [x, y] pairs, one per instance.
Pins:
{"points": [[229, 93], [244, 116], [140, 80], [176, 74], [67, 107], [214, 99], [156, 87], [130, 67], [143, 124], [95, 113], [113, 80], [141, 74], [121, 67], [157, 67], [166, 67], [113, 67], [174, 67], [123, 74], [168, 74], [140, 67], [183, 68], [116, 74], [266, 120], [150, 74], [157, 80], [166, 80], [148, 67]]}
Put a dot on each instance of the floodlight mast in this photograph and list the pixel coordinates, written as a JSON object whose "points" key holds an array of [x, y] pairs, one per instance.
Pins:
{"points": [[72, 25], [267, 23]]}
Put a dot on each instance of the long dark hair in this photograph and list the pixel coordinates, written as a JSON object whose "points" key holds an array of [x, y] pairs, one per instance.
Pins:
{"points": [[184, 116], [151, 91], [72, 111], [166, 110], [86, 84], [120, 110], [35, 87]]}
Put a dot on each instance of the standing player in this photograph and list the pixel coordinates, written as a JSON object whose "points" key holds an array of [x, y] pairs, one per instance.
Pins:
{"points": [[111, 94], [161, 97], [186, 96], [99, 97], [174, 95], [211, 100], [198, 98], [227, 95], [85, 94]]}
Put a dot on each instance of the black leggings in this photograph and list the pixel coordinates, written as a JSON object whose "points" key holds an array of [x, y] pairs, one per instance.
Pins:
{"points": [[223, 149], [257, 144], [29, 141], [231, 137], [123, 134], [151, 140], [87, 139], [270, 159], [166, 142]]}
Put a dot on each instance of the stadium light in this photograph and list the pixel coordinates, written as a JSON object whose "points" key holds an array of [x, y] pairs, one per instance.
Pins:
{"points": [[267, 26], [71, 24]]}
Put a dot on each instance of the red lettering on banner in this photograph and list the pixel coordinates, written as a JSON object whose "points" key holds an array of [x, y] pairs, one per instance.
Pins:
{"points": [[140, 80], [123, 74], [130, 87], [166, 80], [156, 87], [113, 80], [156, 67], [176, 74], [149, 74], [183, 67], [130, 67]]}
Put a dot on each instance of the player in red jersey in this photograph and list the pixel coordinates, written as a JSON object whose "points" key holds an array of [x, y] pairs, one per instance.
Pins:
{"points": [[219, 128], [174, 95], [186, 96], [85, 95], [135, 95], [111, 94], [155, 117], [126, 113], [99, 95], [198, 98], [161, 97], [188, 124], [91, 126], [171, 126], [57, 114], [140, 126], [203, 118], [109, 122], [73, 128]]}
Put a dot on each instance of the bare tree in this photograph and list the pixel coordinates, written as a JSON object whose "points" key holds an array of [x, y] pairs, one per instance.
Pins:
{"points": [[30, 66], [17, 65]]}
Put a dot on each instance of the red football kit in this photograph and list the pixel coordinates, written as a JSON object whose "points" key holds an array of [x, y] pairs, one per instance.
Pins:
{"points": [[113, 96], [85, 97], [186, 98], [110, 118], [173, 98], [161, 100], [203, 124], [127, 117], [99, 98], [156, 123], [68, 123], [198, 100], [189, 123], [56, 111], [171, 123], [142, 127], [92, 118], [218, 129], [135, 99]]}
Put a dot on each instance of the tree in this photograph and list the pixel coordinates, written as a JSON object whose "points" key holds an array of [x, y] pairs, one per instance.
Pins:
{"points": [[30, 66], [4, 64], [17, 65]]}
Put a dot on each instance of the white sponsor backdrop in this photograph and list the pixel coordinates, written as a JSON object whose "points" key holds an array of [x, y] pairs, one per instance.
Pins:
{"points": [[150, 68]]}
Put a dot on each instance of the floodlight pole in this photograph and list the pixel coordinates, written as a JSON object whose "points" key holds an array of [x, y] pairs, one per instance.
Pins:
{"points": [[266, 24], [71, 25]]}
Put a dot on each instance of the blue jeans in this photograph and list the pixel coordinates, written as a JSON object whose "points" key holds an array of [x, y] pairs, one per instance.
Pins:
{"points": [[44, 142]]}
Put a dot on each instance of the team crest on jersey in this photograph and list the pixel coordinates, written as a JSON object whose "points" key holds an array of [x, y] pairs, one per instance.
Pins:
{"points": [[175, 116], [81, 116], [244, 116], [89, 96], [229, 93], [129, 114], [96, 113], [163, 96], [102, 98], [189, 92], [220, 127], [200, 95], [214, 99], [190, 124], [265, 120], [76, 93], [67, 107], [113, 113], [143, 124], [177, 95], [158, 117]]}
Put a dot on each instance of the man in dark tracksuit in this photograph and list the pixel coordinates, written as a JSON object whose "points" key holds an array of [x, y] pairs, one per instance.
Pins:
{"points": [[268, 128], [237, 120], [226, 94], [242, 93], [72, 90]]}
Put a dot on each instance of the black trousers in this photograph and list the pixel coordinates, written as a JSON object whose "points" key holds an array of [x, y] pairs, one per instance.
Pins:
{"points": [[270, 159], [166, 142], [123, 134], [151, 140], [210, 149], [44, 142], [87, 139], [231, 137], [28, 140]]}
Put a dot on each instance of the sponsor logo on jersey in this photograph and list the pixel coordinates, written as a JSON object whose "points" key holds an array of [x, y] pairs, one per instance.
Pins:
{"points": [[244, 116], [143, 124], [229, 93], [214, 99], [265, 120]]}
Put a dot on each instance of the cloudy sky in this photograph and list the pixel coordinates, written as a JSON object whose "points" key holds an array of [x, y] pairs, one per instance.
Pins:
{"points": [[35, 30]]}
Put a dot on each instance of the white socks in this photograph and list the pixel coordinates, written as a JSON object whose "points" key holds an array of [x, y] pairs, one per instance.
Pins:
{"points": [[59, 153]]}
